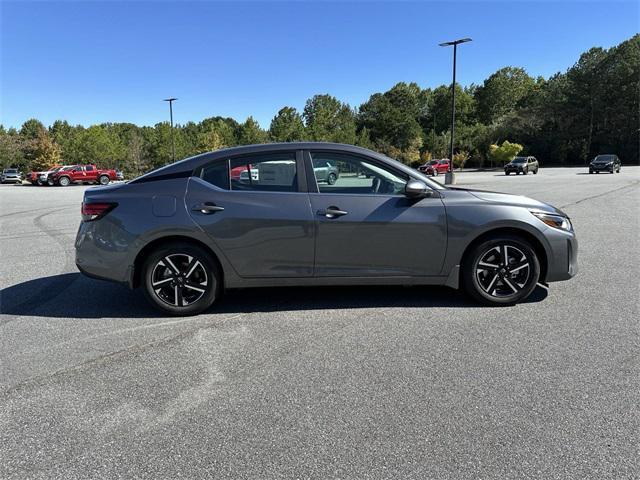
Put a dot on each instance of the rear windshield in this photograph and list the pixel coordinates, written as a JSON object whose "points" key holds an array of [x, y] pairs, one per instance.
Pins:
{"points": [[11, 170]]}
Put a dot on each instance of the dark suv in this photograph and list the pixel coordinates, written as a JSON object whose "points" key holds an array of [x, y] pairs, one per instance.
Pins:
{"points": [[522, 165], [608, 163]]}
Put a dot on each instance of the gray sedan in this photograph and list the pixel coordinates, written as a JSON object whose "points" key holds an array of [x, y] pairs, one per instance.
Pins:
{"points": [[187, 231]]}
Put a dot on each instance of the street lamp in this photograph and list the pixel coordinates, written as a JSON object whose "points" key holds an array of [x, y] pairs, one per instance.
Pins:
{"points": [[173, 145], [450, 176]]}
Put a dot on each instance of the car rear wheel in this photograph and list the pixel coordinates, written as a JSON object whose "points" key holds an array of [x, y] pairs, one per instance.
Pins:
{"points": [[181, 279], [64, 181], [332, 178], [535, 172], [507, 173], [503, 270], [104, 180]]}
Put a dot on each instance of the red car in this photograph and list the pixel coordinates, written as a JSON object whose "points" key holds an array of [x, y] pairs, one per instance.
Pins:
{"points": [[435, 167], [34, 177], [83, 174]]}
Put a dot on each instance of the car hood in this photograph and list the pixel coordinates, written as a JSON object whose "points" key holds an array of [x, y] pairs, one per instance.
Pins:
{"points": [[512, 200]]}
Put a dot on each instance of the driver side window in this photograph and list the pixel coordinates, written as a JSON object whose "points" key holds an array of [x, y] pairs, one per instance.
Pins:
{"points": [[351, 174]]}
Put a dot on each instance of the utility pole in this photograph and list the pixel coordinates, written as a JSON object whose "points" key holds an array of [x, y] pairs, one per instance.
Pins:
{"points": [[450, 176], [173, 144]]}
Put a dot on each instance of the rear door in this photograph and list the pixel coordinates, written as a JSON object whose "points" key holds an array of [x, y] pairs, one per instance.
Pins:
{"points": [[367, 227], [260, 217], [91, 173]]}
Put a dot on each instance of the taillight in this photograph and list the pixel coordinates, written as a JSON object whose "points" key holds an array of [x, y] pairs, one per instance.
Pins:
{"points": [[94, 211]]}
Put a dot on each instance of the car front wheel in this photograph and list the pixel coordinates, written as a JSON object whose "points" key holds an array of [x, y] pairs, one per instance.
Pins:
{"points": [[503, 270], [104, 180], [181, 279], [332, 178]]}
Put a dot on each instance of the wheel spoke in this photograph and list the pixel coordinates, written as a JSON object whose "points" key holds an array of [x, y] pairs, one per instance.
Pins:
{"points": [[191, 267], [191, 286], [173, 267], [488, 265], [493, 280], [519, 267], [162, 282], [175, 292], [506, 255], [506, 280]]}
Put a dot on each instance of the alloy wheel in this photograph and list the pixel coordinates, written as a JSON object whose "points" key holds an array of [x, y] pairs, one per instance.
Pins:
{"points": [[503, 270], [179, 279]]}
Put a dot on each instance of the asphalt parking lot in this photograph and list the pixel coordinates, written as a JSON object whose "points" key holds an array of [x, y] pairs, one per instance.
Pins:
{"points": [[323, 382]]}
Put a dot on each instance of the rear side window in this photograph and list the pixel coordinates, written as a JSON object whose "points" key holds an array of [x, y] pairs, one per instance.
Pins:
{"points": [[216, 174], [273, 172], [89, 168]]}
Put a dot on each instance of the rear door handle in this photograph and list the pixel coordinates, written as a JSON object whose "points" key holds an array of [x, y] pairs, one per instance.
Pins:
{"points": [[332, 212], [207, 208]]}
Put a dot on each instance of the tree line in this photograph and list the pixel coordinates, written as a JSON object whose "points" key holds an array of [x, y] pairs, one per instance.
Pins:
{"points": [[591, 108]]}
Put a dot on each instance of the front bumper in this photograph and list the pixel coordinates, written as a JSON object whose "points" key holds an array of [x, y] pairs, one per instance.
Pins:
{"points": [[12, 180], [562, 263], [601, 168]]}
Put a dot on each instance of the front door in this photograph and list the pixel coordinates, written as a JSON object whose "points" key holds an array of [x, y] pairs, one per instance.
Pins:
{"points": [[259, 217], [366, 226]]}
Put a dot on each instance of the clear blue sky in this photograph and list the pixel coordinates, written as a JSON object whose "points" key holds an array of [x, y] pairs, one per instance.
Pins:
{"points": [[90, 62]]}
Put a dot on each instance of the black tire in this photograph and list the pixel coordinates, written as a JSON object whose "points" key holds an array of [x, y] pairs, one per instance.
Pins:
{"points": [[332, 179], [618, 171], [182, 287], [103, 180], [498, 286], [64, 181], [39, 182], [50, 183], [535, 172], [590, 172], [507, 173]]}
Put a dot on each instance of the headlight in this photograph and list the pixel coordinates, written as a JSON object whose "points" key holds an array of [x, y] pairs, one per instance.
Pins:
{"points": [[554, 220]]}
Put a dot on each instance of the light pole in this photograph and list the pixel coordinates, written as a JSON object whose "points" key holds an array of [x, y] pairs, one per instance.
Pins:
{"points": [[450, 178], [173, 144]]}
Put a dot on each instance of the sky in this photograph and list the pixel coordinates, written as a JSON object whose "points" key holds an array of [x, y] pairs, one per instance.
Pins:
{"points": [[114, 61]]}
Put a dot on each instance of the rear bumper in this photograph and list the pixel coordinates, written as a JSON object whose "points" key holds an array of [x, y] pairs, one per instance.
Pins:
{"points": [[101, 252]]}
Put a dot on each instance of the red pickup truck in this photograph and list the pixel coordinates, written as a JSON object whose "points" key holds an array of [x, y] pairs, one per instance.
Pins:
{"points": [[83, 174]]}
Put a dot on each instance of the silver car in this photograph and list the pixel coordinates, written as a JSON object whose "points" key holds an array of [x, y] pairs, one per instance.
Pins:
{"points": [[10, 175], [189, 230]]}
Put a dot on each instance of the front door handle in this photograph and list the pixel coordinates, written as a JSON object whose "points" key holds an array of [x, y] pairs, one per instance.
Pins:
{"points": [[207, 208], [332, 212]]}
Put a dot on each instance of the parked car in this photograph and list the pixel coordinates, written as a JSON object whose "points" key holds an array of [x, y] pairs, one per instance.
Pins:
{"points": [[325, 171], [11, 175], [522, 165], [82, 174], [34, 176], [608, 163], [46, 178], [187, 231], [435, 167]]}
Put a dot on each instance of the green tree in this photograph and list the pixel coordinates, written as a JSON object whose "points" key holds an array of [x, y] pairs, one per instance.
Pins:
{"points": [[287, 126], [502, 92], [506, 152], [250, 133], [329, 120], [32, 129], [46, 153]]}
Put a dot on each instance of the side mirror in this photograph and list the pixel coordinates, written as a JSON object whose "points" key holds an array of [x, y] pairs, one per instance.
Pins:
{"points": [[416, 189]]}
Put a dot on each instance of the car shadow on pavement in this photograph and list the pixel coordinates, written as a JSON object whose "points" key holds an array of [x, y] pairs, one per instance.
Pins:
{"points": [[72, 295]]}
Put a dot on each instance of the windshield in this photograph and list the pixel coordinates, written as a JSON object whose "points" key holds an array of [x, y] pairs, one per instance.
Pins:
{"points": [[432, 162], [604, 158], [519, 160], [11, 170], [66, 169]]}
